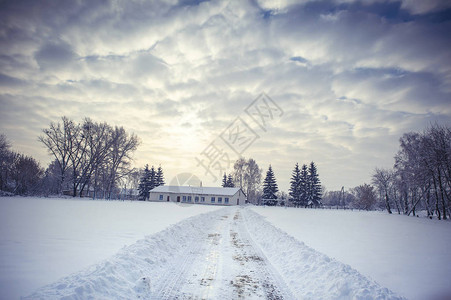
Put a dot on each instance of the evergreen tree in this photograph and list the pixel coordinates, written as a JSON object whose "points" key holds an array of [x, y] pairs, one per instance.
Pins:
{"points": [[314, 184], [144, 184], [159, 177], [224, 180], [294, 191], [270, 188], [153, 178], [230, 181], [304, 186]]}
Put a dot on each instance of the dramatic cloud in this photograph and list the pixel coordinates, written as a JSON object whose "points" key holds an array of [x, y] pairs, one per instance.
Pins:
{"points": [[349, 76]]}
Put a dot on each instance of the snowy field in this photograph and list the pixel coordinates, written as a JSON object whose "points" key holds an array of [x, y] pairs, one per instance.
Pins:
{"points": [[50, 248], [411, 256], [42, 239]]}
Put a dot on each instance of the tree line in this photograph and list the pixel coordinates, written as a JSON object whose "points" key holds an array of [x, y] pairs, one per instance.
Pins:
{"points": [[19, 173], [420, 179], [88, 158], [305, 185]]}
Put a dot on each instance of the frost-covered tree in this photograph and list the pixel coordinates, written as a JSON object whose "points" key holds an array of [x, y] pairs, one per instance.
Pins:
{"points": [[238, 173], [252, 177], [382, 179], [423, 173], [365, 197], [6, 158], [247, 175], [270, 188]]}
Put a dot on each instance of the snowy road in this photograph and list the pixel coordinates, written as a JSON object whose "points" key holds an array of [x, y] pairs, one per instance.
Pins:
{"points": [[227, 264], [232, 253]]}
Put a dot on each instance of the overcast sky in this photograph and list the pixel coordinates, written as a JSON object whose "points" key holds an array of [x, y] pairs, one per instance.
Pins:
{"points": [[343, 79]]}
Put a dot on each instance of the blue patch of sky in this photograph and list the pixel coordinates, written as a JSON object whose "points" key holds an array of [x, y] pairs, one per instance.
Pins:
{"points": [[395, 72], [389, 11], [267, 14], [191, 2], [299, 59]]}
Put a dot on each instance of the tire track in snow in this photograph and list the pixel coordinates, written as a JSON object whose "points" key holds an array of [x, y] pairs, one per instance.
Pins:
{"points": [[257, 277], [182, 281], [168, 286], [225, 264]]}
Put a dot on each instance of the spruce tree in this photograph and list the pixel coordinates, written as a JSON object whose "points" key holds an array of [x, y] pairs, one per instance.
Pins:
{"points": [[270, 188], [153, 179], [230, 181], [295, 188], [159, 177], [144, 184], [314, 185], [224, 180], [304, 186]]}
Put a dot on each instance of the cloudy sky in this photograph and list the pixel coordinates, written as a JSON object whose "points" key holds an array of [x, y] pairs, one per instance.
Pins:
{"points": [[343, 80]]}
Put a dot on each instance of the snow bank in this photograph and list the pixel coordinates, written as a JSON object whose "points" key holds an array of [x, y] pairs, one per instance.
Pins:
{"points": [[310, 274], [405, 254], [42, 239]]}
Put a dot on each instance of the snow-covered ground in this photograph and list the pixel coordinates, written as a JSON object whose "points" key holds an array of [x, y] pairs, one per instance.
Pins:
{"points": [[76, 248], [42, 239], [410, 256], [226, 254]]}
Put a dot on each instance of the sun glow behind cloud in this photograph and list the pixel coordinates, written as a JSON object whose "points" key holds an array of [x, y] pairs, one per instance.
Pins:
{"points": [[351, 77]]}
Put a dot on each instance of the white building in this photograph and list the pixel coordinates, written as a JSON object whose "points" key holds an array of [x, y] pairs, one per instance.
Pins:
{"points": [[198, 195]]}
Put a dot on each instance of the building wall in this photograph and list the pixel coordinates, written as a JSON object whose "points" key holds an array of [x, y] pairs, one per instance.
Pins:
{"points": [[233, 200]]}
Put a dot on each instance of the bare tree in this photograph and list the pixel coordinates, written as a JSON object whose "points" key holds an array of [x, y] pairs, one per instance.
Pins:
{"points": [[365, 197], [252, 179], [238, 173], [57, 140], [5, 161], [248, 176], [120, 156], [382, 178], [423, 171], [99, 144], [26, 175], [95, 153]]}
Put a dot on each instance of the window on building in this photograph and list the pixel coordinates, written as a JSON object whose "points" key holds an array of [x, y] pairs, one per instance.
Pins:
{"points": [[212, 199], [196, 199], [184, 199], [226, 200], [189, 198], [219, 199], [202, 199], [161, 197]]}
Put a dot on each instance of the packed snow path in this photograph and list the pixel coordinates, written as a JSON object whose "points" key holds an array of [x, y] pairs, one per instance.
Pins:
{"points": [[226, 265], [231, 253]]}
